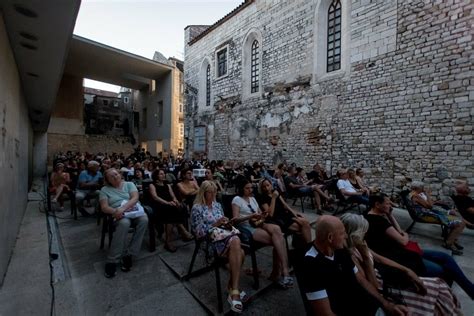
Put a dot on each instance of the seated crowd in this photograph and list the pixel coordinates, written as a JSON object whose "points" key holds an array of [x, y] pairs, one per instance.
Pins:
{"points": [[353, 264]]}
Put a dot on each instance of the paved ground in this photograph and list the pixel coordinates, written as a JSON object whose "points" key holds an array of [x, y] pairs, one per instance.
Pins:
{"points": [[154, 286]]}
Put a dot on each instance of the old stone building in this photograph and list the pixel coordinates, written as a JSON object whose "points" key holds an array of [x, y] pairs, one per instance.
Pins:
{"points": [[383, 85]]}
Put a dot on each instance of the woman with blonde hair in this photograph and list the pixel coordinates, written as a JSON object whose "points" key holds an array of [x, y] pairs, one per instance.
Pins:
{"points": [[422, 296], [206, 215]]}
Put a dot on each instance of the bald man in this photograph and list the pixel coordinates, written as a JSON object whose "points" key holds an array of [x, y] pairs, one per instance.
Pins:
{"points": [[464, 203], [332, 283]]}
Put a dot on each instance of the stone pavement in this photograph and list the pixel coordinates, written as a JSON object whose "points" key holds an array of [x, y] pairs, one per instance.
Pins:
{"points": [[154, 286]]}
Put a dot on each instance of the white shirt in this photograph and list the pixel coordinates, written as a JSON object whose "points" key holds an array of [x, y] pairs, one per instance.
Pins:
{"points": [[244, 205], [345, 185]]}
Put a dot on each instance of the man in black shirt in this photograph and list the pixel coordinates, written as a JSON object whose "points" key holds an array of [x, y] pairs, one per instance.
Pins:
{"points": [[464, 203], [332, 283]]}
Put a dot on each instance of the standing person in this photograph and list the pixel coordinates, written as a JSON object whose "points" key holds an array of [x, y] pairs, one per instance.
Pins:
{"points": [[168, 208], [88, 185], [386, 238], [206, 214], [244, 209], [118, 198], [333, 285]]}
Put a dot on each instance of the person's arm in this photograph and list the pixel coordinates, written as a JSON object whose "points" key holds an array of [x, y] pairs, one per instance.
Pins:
{"points": [[401, 237], [428, 204], [365, 263], [321, 307], [390, 308], [134, 196], [394, 222], [117, 213], [175, 200], [236, 218], [347, 193], [288, 208], [417, 282]]}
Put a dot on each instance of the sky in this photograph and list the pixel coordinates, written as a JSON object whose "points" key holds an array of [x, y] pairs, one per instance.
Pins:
{"points": [[145, 26]]}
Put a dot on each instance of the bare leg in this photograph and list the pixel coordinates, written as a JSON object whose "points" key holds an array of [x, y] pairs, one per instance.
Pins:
{"points": [[301, 224], [453, 235], [278, 242]]}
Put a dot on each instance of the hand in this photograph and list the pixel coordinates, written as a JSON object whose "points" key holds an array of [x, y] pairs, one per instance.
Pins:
{"points": [[222, 221], [397, 310], [256, 216], [417, 282], [118, 215]]}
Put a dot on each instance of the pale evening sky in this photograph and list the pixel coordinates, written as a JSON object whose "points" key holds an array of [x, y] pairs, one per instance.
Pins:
{"points": [[145, 26]]}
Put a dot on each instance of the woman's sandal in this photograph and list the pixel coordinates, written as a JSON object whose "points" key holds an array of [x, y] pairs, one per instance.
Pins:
{"points": [[235, 305], [243, 296]]}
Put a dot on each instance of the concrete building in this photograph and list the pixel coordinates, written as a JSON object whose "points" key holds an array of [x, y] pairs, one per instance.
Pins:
{"points": [[383, 85], [163, 131]]}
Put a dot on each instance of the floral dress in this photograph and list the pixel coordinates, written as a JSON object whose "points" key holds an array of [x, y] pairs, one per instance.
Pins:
{"points": [[436, 215], [202, 219]]}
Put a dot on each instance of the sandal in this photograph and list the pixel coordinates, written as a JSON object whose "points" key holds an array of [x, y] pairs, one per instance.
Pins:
{"points": [[235, 304], [454, 250], [286, 282], [243, 296]]}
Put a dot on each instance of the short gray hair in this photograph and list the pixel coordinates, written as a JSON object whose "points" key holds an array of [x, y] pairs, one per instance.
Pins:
{"points": [[356, 227], [417, 185]]}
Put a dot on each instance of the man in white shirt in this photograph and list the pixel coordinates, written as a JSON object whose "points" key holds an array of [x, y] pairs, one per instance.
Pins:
{"points": [[348, 191]]}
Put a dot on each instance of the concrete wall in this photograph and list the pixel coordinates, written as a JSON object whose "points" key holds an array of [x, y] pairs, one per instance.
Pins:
{"points": [[154, 130], [403, 103], [15, 151]]}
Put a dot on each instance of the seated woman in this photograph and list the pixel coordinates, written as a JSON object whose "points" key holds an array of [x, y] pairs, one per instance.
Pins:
{"points": [[434, 212], [207, 213], [138, 180], [60, 181], [118, 198], [168, 209], [188, 187], [280, 213], [386, 238], [422, 296], [356, 183], [209, 176], [244, 209]]}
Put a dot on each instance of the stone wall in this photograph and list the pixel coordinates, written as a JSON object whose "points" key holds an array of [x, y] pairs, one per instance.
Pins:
{"points": [[89, 143], [404, 105]]}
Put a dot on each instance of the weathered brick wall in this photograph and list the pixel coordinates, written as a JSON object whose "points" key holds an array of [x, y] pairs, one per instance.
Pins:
{"points": [[406, 107], [89, 143]]}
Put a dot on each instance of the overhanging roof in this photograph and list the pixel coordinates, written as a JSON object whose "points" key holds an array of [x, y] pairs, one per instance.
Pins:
{"points": [[39, 34], [93, 60]]}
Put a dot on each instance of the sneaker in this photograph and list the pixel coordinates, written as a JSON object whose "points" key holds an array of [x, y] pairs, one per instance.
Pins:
{"points": [[126, 263], [110, 270]]}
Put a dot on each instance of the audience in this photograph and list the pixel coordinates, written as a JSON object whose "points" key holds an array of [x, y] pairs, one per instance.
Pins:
{"points": [[435, 212], [386, 238], [332, 283], [207, 213], [245, 210], [167, 208], [88, 186], [422, 296], [280, 213], [120, 199], [464, 203], [348, 191], [188, 187]]}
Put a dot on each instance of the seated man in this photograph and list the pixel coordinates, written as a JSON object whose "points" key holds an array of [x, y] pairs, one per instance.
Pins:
{"points": [[295, 186], [332, 283], [88, 185], [464, 203], [348, 191]]}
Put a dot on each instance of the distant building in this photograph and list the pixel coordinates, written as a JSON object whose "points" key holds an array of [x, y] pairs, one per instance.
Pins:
{"points": [[161, 128], [108, 113]]}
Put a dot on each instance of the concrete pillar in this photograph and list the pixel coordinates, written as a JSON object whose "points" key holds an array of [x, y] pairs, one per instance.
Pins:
{"points": [[40, 154]]}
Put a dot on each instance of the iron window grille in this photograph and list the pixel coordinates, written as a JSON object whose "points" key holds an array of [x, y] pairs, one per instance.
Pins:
{"points": [[208, 85], [254, 63], [222, 62], [334, 36]]}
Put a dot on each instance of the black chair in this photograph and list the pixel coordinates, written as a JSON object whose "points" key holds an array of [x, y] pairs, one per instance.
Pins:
{"points": [[343, 204], [408, 204]]}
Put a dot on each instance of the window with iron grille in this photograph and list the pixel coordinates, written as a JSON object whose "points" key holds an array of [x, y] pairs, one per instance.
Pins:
{"points": [[208, 85], [222, 62], [334, 36], [254, 74]]}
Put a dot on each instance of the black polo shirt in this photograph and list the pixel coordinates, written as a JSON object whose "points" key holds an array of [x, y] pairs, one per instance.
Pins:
{"points": [[334, 278], [463, 203]]}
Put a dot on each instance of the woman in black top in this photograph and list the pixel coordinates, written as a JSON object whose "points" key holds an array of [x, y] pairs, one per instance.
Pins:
{"points": [[280, 213], [386, 238], [169, 210]]}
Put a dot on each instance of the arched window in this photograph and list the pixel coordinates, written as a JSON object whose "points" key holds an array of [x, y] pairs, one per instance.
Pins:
{"points": [[208, 85], [254, 70], [334, 36]]}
